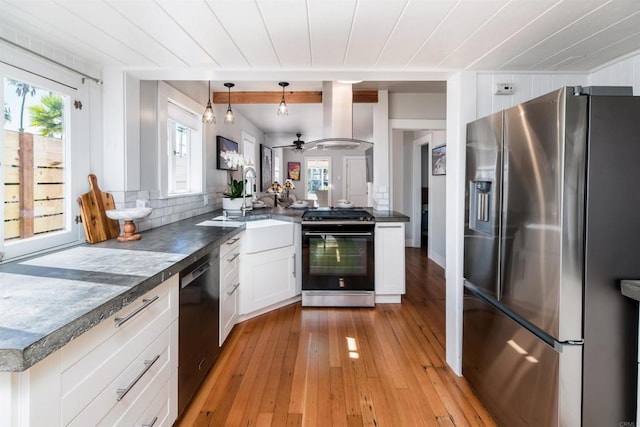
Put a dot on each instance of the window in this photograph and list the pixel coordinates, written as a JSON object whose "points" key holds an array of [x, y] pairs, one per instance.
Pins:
{"points": [[318, 176], [36, 192], [184, 146]]}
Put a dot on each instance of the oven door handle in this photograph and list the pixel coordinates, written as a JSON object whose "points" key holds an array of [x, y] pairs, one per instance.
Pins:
{"points": [[331, 233]]}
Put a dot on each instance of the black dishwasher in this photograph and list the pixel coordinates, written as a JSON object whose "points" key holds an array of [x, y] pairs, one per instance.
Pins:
{"points": [[198, 324]]}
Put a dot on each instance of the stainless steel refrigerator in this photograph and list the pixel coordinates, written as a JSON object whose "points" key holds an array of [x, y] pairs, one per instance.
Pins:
{"points": [[552, 225]]}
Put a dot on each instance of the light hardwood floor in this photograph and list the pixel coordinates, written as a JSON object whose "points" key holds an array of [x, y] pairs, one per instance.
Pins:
{"points": [[382, 366]]}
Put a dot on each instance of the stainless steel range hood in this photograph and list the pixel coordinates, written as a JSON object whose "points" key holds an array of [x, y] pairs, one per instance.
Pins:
{"points": [[337, 108]]}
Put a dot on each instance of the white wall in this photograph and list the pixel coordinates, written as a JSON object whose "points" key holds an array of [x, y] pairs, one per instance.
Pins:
{"points": [[622, 73], [527, 86], [461, 109], [437, 248], [397, 161], [417, 106]]}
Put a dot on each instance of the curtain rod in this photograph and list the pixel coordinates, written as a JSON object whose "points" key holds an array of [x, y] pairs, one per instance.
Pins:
{"points": [[84, 75]]}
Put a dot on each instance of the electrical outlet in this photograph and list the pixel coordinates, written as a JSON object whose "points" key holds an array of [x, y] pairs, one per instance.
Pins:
{"points": [[205, 199], [504, 89], [142, 203]]}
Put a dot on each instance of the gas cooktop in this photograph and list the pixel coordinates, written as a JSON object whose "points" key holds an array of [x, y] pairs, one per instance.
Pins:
{"points": [[337, 214]]}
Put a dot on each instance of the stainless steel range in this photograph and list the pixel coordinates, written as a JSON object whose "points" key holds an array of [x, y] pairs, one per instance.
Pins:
{"points": [[337, 258]]}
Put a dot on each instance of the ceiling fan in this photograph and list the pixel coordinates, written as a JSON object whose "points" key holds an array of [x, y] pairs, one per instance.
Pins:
{"points": [[296, 145], [325, 144]]}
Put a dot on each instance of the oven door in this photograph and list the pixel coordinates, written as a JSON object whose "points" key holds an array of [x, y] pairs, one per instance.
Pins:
{"points": [[337, 257]]}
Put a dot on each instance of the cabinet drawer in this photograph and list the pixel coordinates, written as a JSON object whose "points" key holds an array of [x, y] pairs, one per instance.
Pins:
{"points": [[158, 413], [83, 378], [230, 263], [150, 370], [230, 245]]}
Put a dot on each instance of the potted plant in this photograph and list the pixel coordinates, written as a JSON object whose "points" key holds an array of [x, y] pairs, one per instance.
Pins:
{"points": [[232, 198]]}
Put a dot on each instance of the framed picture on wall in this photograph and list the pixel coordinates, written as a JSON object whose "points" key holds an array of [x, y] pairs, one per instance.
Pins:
{"points": [[439, 160], [266, 167], [224, 144], [293, 171]]}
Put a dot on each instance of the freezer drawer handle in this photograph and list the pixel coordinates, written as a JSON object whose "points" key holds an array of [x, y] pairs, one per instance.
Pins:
{"points": [[145, 303], [122, 392]]}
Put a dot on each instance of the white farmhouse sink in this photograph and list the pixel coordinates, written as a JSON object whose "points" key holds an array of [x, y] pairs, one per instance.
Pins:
{"points": [[267, 234]]}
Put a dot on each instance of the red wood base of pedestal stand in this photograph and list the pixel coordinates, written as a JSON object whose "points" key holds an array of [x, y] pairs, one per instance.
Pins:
{"points": [[129, 232]]}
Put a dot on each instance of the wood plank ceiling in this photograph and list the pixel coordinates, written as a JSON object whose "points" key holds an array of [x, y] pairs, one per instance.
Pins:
{"points": [[383, 35], [257, 43]]}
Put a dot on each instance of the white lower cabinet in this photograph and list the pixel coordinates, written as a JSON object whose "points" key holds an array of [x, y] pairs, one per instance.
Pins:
{"points": [[229, 285], [267, 278], [389, 256], [121, 372], [269, 267]]}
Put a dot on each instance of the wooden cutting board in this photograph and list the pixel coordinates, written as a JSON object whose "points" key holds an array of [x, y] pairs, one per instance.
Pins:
{"points": [[97, 226]]}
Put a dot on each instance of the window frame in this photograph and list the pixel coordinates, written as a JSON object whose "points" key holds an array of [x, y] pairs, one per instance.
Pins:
{"points": [[75, 155], [167, 95], [312, 196]]}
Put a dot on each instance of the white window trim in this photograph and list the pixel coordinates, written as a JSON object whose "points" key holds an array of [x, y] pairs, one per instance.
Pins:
{"points": [[76, 153], [165, 94], [249, 146], [306, 177]]}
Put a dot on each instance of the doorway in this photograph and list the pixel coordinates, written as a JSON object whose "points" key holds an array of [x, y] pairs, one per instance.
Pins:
{"points": [[407, 137], [355, 182], [317, 177]]}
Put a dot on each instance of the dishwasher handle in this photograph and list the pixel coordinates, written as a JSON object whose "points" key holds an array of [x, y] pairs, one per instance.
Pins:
{"points": [[189, 278]]}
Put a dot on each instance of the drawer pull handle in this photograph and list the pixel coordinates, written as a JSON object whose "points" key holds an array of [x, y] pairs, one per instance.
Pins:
{"points": [[235, 288], [236, 255], [145, 303], [122, 392], [232, 241], [151, 424], [389, 226]]}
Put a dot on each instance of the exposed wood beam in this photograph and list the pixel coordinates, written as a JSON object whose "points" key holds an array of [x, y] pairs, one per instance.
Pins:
{"points": [[365, 96], [267, 97], [310, 97]]}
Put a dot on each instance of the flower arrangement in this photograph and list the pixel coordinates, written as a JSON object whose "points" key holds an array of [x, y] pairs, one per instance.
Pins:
{"points": [[235, 159]]}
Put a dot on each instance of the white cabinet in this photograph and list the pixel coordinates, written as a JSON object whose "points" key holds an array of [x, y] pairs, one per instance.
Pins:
{"points": [[122, 370], [229, 285], [389, 261], [268, 274]]}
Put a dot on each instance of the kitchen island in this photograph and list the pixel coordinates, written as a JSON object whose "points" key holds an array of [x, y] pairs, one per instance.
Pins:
{"points": [[54, 300]]}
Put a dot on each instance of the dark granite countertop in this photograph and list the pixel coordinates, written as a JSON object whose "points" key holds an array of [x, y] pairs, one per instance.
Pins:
{"points": [[49, 299]]}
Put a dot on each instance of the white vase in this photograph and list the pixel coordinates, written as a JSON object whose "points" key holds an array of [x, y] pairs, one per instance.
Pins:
{"points": [[235, 204]]}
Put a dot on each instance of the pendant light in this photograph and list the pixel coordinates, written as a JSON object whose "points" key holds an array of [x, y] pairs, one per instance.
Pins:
{"points": [[209, 117], [228, 117], [282, 108]]}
